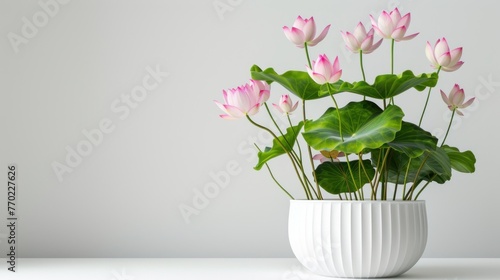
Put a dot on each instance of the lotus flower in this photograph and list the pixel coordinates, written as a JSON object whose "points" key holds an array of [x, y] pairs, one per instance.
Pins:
{"points": [[303, 31], [393, 26], [261, 87], [360, 40], [455, 99], [441, 56], [323, 71], [326, 156], [243, 100], [286, 106]]}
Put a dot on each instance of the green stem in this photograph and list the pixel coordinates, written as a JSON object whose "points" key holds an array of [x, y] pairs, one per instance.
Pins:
{"points": [[362, 68], [298, 158], [427, 100], [361, 64], [318, 190], [293, 130], [361, 192], [274, 178], [405, 181], [375, 181], [415, 185], [307, 55], [392, 64], [449, 126], [380, 179], [392, 57], [338, 112], [423, 188], [395, 188], [352, 176], [307, 191], [272, 118], [366, 174]]}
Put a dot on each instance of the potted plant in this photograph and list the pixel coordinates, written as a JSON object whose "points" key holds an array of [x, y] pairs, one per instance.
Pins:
{"points": [[363, 165]]}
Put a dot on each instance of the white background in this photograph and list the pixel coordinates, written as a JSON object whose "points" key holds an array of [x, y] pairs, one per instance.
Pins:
{"points": [[123, 199]]}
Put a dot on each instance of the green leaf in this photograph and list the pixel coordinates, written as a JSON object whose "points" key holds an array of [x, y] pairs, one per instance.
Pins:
{"points": [[297, 82], [364, 126], [276, 150], [413, 140], [461, 161], [335, 177], [385, 86], [434, 166]]}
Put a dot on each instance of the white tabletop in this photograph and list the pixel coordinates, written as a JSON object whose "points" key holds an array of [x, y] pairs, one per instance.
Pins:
{"points": [[222, 269]]}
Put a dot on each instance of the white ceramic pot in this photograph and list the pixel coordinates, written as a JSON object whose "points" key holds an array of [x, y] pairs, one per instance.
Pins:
{"points": [[357, 239]]}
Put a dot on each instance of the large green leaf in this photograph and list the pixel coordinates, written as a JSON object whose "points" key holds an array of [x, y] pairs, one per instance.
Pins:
{"points": [[432, 165], [276, 150], [297, 82], [461, 161], [385, 86], [413, 140], [335, 177], [364, 126]]}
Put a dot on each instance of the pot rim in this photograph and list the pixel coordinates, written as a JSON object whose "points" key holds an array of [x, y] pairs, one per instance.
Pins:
{"points": [[354, 201]]}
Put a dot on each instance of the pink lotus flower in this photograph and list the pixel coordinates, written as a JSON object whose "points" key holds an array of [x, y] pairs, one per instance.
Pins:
{"points": [[261, 87], [441, 56], [393, 26], [244, 100], [360, 40], [303, 31], [323, 71], [326, 156], [455, 100], [286, 106]]}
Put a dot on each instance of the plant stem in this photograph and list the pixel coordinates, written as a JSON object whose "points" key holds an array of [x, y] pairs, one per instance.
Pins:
{"points": [[298, 144], [272, 176], [318, 190], [427, 100], [338, 113], [449, 126], [392, 64], [395, 188], [375, 180], [297, 157], [366, 174], [426, 184], [362, 68], [307, 55], [414, 185], [361, 64], [380, 178], [274, 121], [361, 192], [406, 178], [352, 176], [308, 192], [392, 56]]}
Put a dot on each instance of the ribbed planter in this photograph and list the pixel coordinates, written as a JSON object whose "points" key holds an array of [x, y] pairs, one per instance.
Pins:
{"points": [[357, 239]]}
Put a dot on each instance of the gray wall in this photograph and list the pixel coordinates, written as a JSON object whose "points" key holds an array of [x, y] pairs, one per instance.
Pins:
{"points": [[145, 74]]}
